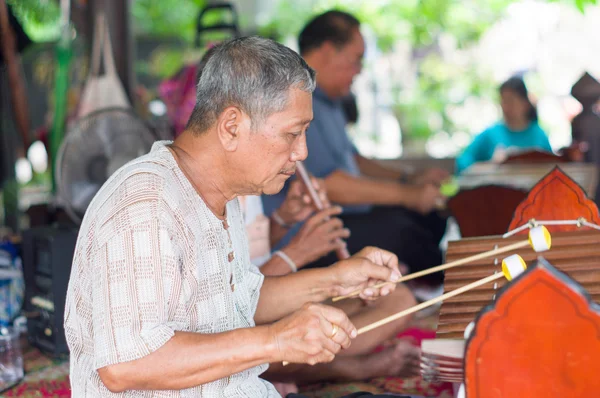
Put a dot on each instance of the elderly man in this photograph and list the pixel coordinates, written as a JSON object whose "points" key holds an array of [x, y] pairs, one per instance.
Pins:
{"points": [[162, 296], [382, 207]]}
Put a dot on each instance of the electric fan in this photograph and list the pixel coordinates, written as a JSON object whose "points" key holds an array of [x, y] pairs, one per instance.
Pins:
{"points": [[93, 149]]}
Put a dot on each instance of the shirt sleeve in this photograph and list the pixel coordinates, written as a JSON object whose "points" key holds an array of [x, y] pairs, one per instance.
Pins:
{"points": [[137, 275], [321, 160], [543, 140], [473, 153]]}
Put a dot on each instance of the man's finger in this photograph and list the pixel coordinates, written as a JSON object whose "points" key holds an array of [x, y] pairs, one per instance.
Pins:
{"points": [[381, 257], [338, 317], [322, 215], [336, 234], [375, 271], [330, 343], [333, 224]]}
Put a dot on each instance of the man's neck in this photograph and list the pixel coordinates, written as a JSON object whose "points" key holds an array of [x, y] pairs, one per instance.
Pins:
{"points": [[205, 169]]}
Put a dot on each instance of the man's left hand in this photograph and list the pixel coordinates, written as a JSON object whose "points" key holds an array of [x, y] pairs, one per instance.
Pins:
{"points": [[434, 176], [298, 204], [365, 269]]}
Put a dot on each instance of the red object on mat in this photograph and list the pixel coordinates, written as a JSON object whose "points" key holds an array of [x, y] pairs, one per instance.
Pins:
{"points": [[414, 335]]}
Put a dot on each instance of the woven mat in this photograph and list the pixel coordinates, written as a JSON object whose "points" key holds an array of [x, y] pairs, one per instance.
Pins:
{"points": [[46, 377], [395, 385]]}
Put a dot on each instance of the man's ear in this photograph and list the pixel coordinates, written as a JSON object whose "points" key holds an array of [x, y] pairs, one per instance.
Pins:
{"points": [[230, 124]]}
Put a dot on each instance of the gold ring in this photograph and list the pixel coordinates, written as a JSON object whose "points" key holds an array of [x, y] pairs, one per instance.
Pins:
{"points": [[334, 331]]}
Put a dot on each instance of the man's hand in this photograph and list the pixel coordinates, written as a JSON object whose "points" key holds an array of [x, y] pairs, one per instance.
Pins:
{"points": [[319, 236], [314, 334], [366, 268], [423, 198], [435, 176], [298, 204]]}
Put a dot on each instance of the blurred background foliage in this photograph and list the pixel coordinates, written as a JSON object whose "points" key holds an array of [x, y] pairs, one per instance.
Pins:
{"points": [[439, 36]]}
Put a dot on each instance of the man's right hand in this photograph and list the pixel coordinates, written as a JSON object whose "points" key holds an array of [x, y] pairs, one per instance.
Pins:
{"points": [[314, 334], [424, 198]]}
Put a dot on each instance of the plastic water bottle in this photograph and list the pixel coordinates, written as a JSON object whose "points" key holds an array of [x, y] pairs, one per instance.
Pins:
{"points": [[11, 358]]}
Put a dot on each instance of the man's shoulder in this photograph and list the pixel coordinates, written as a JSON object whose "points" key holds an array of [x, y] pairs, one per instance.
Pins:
{"points": [[149, 174], [143, 182]]}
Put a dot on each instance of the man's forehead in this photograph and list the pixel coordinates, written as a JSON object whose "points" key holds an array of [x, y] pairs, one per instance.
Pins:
{"points": [[297, 117]]}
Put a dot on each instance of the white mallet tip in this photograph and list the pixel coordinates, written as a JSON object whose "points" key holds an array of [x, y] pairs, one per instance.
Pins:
{"points": [[513, 266], [540, 239]]}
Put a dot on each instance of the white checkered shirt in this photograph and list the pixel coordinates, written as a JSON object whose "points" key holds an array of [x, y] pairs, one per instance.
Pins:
{"points": [[151, 259]]}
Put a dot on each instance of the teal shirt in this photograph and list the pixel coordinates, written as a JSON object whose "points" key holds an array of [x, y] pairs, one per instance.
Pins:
{"points": [[483, 146]]}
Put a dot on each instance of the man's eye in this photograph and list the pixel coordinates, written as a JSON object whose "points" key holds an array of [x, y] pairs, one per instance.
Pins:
{"points": [[296, 134]]}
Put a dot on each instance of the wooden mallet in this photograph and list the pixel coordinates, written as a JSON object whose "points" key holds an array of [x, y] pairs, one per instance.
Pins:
{"points": [[512, 267], [539, 239]]}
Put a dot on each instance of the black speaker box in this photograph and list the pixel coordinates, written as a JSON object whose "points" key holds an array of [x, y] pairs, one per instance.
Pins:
{"points": [[47, 256]]}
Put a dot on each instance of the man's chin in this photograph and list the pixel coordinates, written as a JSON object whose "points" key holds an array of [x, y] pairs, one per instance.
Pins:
{"points": [[275, 186]]}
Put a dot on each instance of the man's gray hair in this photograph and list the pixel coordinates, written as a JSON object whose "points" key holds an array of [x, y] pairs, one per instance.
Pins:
{"points": [[252, 73]]}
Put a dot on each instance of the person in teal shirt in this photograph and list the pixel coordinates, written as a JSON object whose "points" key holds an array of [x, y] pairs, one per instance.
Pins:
{"points": [[519, 129]]}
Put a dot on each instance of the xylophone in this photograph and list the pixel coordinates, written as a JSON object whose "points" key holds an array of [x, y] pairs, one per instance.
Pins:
{"points": [[539, 239], [512, 267], [540, 337], [577, 253]]}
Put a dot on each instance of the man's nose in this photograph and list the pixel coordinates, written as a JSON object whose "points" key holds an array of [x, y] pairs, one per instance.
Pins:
{"points": [[300, 150]]}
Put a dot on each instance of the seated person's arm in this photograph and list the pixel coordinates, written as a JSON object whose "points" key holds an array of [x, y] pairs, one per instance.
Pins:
{"points": [[282, 295], [327, 159], [475, 152], [347, 189], [371, 168]]}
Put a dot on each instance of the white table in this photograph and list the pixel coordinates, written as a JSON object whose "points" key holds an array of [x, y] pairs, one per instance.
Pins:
{"points": [[525, 176]]}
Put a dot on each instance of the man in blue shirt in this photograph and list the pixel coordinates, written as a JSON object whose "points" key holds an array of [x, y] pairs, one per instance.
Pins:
{"points": [[382, 207]]}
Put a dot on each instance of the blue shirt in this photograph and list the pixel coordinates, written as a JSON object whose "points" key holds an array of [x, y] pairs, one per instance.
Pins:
{"points": [[483, 146], [329, 149]]}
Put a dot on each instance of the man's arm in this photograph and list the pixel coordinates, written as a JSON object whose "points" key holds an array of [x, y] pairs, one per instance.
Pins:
{"points": [[371, 168], [191, 359], [282, 295], [276, 266], [347, 189]]}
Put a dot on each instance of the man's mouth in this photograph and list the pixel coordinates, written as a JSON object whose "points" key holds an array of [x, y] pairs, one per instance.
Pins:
{"points": [[288, 172]]}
